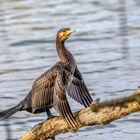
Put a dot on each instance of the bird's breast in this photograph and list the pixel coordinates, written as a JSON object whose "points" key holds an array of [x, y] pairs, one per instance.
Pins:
{"points": [[67, 78]]}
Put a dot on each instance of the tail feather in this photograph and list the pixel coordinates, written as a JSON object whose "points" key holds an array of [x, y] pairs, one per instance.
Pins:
{"points": [[9, 112]]}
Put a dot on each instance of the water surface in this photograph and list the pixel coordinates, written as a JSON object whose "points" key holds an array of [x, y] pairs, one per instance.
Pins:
{"points": [[110, 70]]}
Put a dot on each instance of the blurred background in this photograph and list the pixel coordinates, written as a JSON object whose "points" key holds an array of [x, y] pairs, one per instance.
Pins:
{"points": [[106, 47]]}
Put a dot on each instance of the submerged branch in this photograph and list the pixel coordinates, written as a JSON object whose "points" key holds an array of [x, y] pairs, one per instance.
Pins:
{"points": [[102, 113]]}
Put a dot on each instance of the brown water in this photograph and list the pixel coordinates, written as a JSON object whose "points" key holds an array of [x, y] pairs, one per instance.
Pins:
{"points": [[27, 48]]}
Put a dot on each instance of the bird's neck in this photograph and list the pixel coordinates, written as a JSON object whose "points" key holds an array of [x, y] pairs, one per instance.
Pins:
{"points": [[65, 56]]}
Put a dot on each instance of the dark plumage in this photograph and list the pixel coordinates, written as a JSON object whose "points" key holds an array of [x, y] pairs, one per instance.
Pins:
{"points": [[49, 90]]}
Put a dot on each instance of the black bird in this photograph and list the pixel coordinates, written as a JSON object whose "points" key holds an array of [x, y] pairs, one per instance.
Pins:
{"points": [[49, 90]]}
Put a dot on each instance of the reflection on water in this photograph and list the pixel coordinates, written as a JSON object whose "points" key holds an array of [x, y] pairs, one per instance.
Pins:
{"points": [[27, 48]]}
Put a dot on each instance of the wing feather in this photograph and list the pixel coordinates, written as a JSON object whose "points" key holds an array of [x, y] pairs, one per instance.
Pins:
{"points": [[43, 89], [62, 105], [78, 90]]}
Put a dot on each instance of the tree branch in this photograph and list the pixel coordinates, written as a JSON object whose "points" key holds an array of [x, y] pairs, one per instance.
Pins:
{"points": [[102, 113]]}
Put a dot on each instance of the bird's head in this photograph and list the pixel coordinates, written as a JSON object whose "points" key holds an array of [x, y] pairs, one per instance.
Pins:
{"points": [[64, 33]]}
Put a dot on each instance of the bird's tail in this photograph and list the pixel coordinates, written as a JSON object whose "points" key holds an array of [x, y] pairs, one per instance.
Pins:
{"points": [[9, 112]]}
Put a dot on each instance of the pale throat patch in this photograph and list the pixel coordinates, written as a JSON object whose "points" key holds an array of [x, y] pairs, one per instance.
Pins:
{"points": [[61, 34]]}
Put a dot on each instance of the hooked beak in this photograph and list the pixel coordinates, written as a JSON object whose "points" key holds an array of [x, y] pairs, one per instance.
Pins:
{"points": [[69, 32]]}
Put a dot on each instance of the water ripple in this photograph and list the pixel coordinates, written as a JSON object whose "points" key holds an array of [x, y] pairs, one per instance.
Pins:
{"points": [[27, 37]]}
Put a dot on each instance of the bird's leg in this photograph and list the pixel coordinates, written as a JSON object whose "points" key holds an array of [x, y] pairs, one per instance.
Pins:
{"points": [[50, 116], [49, 113]]}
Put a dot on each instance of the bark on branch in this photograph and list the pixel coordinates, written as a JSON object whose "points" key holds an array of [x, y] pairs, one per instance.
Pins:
{"points": [[102, 113]]}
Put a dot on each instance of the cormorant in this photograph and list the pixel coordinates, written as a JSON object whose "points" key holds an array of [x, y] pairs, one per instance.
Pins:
{"points": [[49, 90]]}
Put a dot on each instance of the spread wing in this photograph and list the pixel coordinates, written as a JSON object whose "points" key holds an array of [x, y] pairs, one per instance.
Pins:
{"points": [[43, 89], [78, 90], [61, 103]]}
